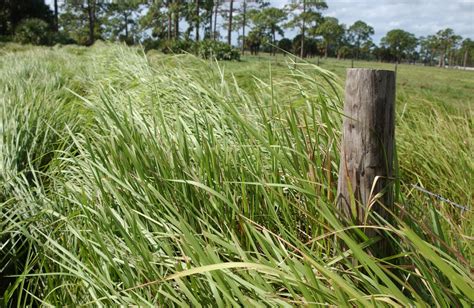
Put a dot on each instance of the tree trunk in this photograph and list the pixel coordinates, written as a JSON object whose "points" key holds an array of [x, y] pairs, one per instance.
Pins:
{"points": [[210, 24], [302, 30], [358, 50], [169, 23], [243, 27], [197, 20], [229, 31], [126, 27], [442, 59], [273, 43], [464, 63], [176, 20], [214, 33], [91, 13], [56, 16]]}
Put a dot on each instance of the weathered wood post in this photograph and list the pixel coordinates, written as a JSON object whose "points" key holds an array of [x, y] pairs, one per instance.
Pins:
{"points": [[367, 147]]}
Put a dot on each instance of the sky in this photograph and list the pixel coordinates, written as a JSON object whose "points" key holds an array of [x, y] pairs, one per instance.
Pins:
{"points": [[420, 17]]}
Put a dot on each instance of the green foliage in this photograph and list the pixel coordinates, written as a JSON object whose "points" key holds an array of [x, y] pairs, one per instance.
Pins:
{"points": [[402, 44], [210, 49], [206, 49], [177, 46], [78, 18], [285, 44], [13, 12], [161, 181], [32, 31], [304, 15], [331, 31], [359, 33], [120, 23], [268, 22], [62, 38]]}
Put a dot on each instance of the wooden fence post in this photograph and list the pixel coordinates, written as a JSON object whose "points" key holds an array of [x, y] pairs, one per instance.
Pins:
{"points": [[367, 146]]}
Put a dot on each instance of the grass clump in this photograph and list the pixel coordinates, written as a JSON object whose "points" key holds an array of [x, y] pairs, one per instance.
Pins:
{"points": [[130, 180]]}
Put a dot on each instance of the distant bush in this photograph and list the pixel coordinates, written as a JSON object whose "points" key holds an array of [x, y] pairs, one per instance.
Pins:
{"points": [[5, 38], [206, 49], [285, 44], [62, 38], [176, 46], [213, 49], [32, 31]]}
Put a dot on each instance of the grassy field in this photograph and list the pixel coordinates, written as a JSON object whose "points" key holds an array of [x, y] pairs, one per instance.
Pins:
{"points": [[133, 179]]}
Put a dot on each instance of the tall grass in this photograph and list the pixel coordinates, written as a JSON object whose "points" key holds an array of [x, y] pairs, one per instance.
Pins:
{"points": [[134, 180]]}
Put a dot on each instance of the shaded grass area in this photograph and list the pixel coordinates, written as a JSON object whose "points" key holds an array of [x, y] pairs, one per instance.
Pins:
{"points": [[168, 180]]}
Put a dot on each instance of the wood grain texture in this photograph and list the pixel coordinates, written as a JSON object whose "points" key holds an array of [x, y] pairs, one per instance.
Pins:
{"points": [[367, 147]]}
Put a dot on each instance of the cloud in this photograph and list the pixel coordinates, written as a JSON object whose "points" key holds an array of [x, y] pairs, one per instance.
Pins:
{"points": [[421, 17]]}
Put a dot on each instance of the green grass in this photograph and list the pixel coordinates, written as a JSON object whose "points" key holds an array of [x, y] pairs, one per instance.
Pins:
{"points": [[167, 180]]}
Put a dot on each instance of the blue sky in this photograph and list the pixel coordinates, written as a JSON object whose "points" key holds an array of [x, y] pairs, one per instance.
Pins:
{"points": [[421, 17]]}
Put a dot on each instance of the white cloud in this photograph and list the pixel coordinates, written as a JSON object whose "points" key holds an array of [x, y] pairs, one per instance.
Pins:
{"points": [[421, 17]]}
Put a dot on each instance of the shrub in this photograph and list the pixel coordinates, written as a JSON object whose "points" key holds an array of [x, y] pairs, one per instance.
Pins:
{"points": [[32, 31], [285, 44], [213, 49], [150, 44], [62, 38], [205, 49], [179, 46]]}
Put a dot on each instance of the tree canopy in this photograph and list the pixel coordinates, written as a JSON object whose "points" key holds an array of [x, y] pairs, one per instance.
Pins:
{"points": [[156, 23]]}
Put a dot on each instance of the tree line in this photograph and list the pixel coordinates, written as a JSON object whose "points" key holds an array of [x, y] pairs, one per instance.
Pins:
{"points": [[260, 27]]}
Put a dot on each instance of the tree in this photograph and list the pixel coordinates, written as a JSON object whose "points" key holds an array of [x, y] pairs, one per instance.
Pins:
{"points": [[173, 16], [120, 18], [359, 33], [197, 17], [254, 40], [428, 47], [447, 40], [269, 21], [229, 26], [285, 44], [12, 12], [400, 43], [216, 11], [207, 17], [56, 16], [32, 31], [242, 19], [76, 11], [467, 49], [156, 20], [331, 31], [304, 13]]}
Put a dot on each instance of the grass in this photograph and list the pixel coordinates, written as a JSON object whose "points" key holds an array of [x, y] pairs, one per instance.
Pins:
{"points": [[167, 180]]}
